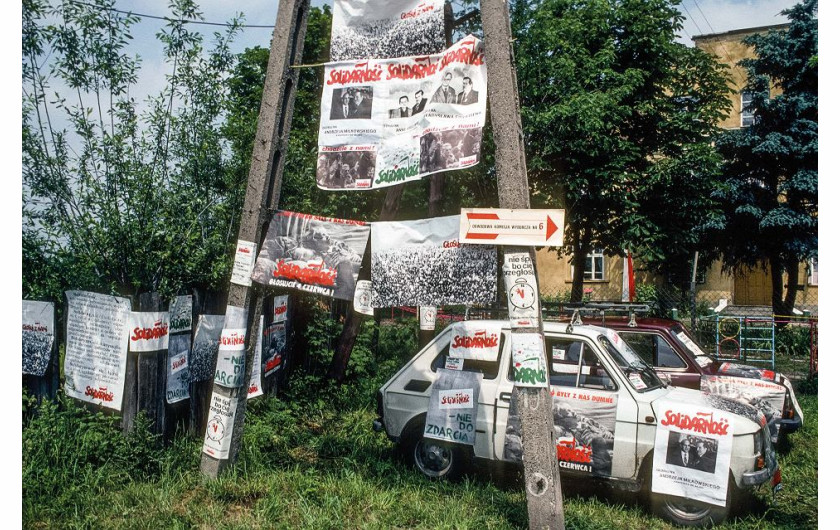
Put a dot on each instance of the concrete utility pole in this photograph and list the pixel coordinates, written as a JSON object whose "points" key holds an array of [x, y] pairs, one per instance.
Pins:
{"points": [[263, 194], [542, 474]]}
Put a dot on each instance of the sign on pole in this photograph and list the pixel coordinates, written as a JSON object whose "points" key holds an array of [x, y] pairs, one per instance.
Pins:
{"points": [[499, 226]]}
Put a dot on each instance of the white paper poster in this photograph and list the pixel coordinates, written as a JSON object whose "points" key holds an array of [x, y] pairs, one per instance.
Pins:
{"points": [[274, 353], [766, 396], [692, 452], [219, 426], [361, 300], [281, 308], [389, 121], [453, 364], [528, 357], [149, 331], [478, 340], [421, 263], [521, 289], [453, 405], [230, 364], [243, 262], [96, 350], [378, 29], [428, 317], [38, 336], [180, 314], [178, 375], [255, 385]]}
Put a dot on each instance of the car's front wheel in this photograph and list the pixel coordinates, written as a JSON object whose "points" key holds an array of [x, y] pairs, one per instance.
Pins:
{"points": [[688, 512], [434, 458]]}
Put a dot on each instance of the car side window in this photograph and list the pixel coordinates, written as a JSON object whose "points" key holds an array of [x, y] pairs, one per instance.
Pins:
{"points": [[566, 365], [488, 369], [653, 349]]}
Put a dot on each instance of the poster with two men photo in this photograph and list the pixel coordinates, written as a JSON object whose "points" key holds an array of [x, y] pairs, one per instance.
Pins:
{"points": [[388, 121]]}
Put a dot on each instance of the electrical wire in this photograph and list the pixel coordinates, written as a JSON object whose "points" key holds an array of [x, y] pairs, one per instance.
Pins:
{"points": [[168, 19]]}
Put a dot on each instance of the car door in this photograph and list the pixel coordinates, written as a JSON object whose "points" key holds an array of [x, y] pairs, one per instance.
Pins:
{"points": [[658, 352], [588, 408]]}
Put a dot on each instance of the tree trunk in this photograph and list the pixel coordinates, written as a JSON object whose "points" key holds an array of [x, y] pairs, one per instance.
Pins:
{"points": [[777, 273]]}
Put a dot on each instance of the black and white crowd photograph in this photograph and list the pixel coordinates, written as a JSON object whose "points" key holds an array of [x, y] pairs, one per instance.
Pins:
{"points": [[442, 150], [345, 169]]}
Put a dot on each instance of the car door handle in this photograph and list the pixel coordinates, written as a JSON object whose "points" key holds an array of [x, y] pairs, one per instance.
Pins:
{"points": [[505, 396], [417, 385]]}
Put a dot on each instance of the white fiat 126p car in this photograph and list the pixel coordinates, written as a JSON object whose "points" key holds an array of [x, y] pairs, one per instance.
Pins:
{"points": [[691, 452]]}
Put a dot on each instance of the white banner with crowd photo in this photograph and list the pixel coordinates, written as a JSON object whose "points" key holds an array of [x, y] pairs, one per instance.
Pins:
{"points": [[388, 121], [421, 263], [380, 29]]}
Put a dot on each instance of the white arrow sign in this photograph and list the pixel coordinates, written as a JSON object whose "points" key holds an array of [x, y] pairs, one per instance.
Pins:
{"points": [[496, 226]]}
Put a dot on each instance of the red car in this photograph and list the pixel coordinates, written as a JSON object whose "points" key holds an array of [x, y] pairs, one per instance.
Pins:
{"points": [[670, 349]]}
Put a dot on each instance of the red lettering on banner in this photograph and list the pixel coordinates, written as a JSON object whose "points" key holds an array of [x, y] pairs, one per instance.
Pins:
{"points": [[696, 423], [480, 340], [279, 310], [180, 362], [101, 393], [457, 399], [422, 8], [36, 327], [159, 330], [320, 218], [360, 73], [568, 451], [315, 274], [420, 70], [451, 244], [271, 363], [234, 339]]}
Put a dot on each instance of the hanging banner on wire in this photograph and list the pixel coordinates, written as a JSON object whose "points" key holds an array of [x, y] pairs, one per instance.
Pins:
{"points": [[314, 254], [96, 351], [38, 336], [379, 29], [421, 263], [385, 122]]}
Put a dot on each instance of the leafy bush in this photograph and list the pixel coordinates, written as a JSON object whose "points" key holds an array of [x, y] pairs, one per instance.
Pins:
{"points": [[794, 340]]}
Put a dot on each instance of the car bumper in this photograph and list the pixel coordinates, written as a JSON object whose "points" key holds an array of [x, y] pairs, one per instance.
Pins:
{"points": [[756, 478], [790, 425]]}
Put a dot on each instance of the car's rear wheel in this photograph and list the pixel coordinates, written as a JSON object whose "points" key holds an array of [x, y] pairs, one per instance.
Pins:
{"points": [[434, 458]]}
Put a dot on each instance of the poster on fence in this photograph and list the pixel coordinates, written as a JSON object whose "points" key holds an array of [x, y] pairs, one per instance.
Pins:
{"points": [[273, 354], [180, 314], [230, 363], [205, 348], [584, 429], [38, 336], [528, 358], [96, 349], [477, 340], [319, 255], [389, 121], [521, 289], [255, 385], [281, 308], [379, 29], [178, 374], [453, 405], [219, 426], [149, 331], [692, 451], [421, 263]]}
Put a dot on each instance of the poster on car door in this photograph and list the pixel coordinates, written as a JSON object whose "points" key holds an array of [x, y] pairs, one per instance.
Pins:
{"points": [[205, 348], [149, 331], [421, 263], [255, 384], [96, 350], [584, 429], [528, 358], [521, 289], [273, 353], [38, 336], [478, 340], [319, 255], [766, 396], [389, 121], [692, 451], [219, 426], [230, 363], [453, 405], [180, 314], [178, 373], [379, 29]]}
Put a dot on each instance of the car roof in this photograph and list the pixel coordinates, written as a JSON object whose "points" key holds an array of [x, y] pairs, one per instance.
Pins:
{"points": [[622, 322], [586, 329]]}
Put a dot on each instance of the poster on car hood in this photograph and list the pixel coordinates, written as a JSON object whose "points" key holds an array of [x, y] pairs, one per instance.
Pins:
{"points": [[421, 263], [314, 254], [205, 348], [766, 396], [453, 405], [96, 350], [478, 340], [691, 452], [38, 336], [584, 429], [379, 29], [389, 121], [149, 331]]}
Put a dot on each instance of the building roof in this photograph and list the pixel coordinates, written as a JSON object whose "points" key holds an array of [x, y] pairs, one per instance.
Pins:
{"points": [[742, 31]]}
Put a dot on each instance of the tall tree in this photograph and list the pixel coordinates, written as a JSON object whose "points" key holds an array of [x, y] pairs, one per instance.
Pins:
{"points": [[618, 119], [769, 190]]}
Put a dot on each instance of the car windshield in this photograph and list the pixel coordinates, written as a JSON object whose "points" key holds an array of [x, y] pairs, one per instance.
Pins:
{"points": [[685, 338], [637, 371]]}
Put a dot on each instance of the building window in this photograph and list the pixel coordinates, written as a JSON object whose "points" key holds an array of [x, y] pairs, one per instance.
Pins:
{"points": [[812, 272], [747, 117], [594, 269]]}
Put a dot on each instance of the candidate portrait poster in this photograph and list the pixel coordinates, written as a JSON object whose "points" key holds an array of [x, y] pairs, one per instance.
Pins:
{"points": [[319, 255], [380, 29], [421, 263], [97, 347], [389, 121], [38, 336], [692, 451]]}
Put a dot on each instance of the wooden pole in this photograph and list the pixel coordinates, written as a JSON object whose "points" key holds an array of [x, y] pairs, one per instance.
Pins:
{"points": [[542, 474], [151, 372], [262, 193]]}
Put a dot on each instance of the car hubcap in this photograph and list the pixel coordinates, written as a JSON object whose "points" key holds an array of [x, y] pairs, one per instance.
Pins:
{"points": [[687, 509], [433, 459]]}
